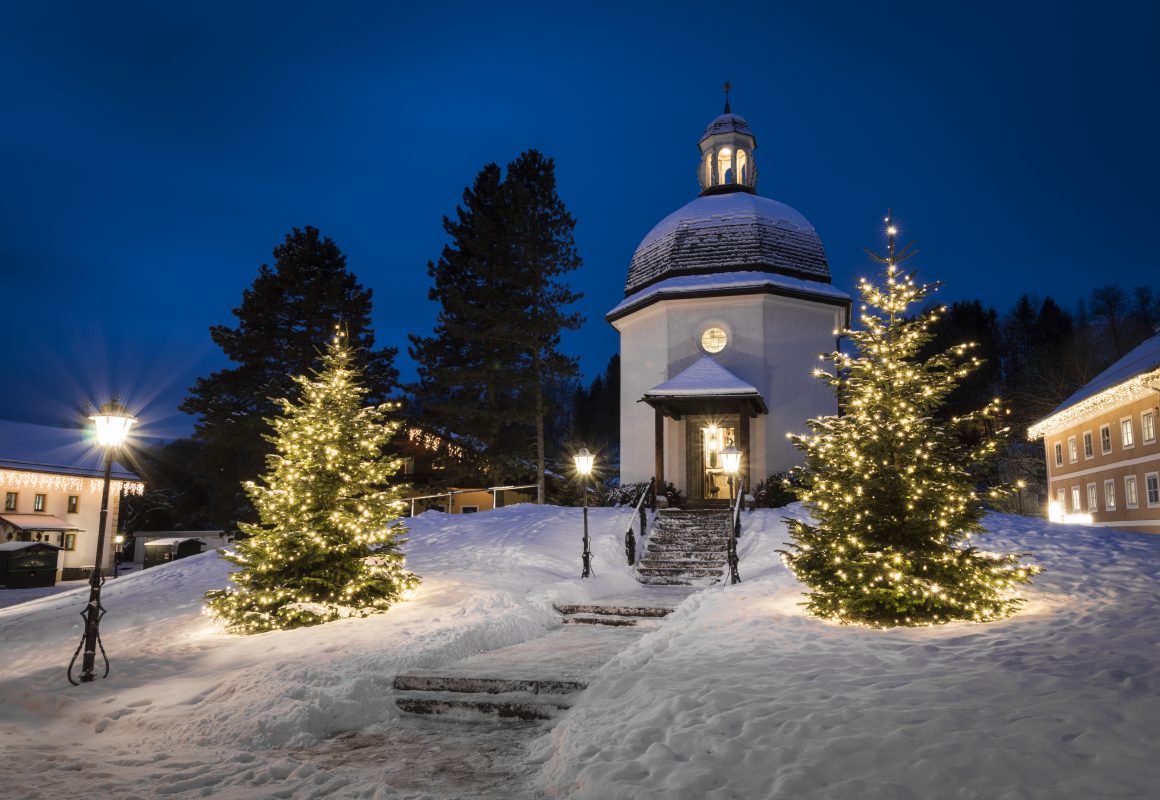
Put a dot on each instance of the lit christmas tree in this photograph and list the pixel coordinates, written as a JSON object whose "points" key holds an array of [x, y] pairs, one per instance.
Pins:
{"points": [[325, 548], [891, 490]]}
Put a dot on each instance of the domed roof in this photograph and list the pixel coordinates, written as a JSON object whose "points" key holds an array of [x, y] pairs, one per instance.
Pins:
{"points": [[729, 233], [727, 123]]}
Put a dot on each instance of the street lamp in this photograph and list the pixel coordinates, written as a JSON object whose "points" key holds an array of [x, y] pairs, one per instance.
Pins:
{"points": [[119, 541], [584, 461], [112, 423], [731, 462]]}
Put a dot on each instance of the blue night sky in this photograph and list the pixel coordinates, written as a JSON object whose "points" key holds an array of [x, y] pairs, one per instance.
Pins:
{"points": [[154, 154]]}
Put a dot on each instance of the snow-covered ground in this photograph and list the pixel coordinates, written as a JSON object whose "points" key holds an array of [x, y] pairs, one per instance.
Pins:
{"points": [[737, 695]]}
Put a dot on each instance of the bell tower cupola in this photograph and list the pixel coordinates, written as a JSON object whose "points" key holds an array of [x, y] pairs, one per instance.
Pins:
{"points": [[727, 163]]}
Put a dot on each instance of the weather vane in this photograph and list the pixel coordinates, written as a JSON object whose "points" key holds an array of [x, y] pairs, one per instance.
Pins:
{"points": [[728, 86]]}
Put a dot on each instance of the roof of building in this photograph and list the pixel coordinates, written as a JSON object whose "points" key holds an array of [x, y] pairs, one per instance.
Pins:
{"points": [[1139, 370], [38, 522], [172, 541], [727, 123], [62, 451], [13, 546], [704, 377], [731, 232], [731, 283]]}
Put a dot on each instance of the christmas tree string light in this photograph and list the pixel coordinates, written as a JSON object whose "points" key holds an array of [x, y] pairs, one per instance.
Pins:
{"points": [[891, 490], [327, 546]]}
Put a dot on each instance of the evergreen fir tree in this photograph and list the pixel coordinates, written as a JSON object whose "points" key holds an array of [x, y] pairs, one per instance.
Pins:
{"points": [[285, 313], [890, 488], [487, 373], [325, 547]]}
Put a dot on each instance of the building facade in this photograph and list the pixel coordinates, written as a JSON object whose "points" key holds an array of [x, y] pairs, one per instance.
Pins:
{"points": [[1102, 447], [50, 483], [727, 306]]}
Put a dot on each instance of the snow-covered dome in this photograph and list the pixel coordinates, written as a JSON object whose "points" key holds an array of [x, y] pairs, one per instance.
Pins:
{"points": [[727, 123], [732, 232]]}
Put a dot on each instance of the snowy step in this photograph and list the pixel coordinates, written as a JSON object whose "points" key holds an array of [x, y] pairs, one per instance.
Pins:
{"points": [[674, 580], [468, 706], [679, 571], [686, 552], [601, 620], [688, 541], [703, 563], [431, 682], [622, 611]]}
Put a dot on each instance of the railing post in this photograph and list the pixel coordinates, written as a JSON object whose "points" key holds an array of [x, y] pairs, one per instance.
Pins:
{"points": [[652, 496]]}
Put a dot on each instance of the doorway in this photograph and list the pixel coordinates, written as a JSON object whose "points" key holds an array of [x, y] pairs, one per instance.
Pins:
{"points": [[706, 437]]}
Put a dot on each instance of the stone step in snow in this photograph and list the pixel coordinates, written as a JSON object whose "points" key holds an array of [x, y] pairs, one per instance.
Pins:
{"points": [[434, 682], [680, 569], [660, 563], [601, 620], [679, 580], [686, 552], [458, 705], [617, 610]]}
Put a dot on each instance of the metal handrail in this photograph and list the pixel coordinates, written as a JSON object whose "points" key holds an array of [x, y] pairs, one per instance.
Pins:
{"points": [[495, 490], [648, 493], [734, 532]]}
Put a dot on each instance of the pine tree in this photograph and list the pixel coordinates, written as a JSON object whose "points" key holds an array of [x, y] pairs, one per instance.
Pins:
{"points": [[326, 547], [487, 372], [890, 488], [285, 313]]}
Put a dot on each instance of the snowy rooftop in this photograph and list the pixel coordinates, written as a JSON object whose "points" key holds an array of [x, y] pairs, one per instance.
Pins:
{"points": [[728, 283], [172, 541], [727, 233], [1138, 365], [727, 123], [704, 378], [65, 451]]}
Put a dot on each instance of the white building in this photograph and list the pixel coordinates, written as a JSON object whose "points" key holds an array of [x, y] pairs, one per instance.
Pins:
{"points": [[50, 483], [727, 306]]}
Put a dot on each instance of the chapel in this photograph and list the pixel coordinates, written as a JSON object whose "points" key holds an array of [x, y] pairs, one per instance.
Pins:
{"points": [[727, 305]]}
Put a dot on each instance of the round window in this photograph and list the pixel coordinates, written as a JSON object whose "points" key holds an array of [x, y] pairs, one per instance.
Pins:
{"points": [[713, 340]]}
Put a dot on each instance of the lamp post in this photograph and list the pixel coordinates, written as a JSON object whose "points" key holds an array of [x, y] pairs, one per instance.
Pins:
{"points": [[119, 541], [731, 462], [584, 461], [112, 423]]}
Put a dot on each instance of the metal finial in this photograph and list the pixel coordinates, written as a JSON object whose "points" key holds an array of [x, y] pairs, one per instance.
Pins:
{"points": [[728, 86]]}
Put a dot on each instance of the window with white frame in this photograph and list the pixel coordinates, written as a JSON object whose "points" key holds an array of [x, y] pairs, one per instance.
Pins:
{"points": [[38, 502], [1061, 498], [1075, 499], [1089, 451], [1148, 426], [1110, 495], [1072, 450], [10, 501], [1093, 497], [1105, 439], [1127, 436], [1152, 489], [1059, 454], [70, 541], [1131, 494]]}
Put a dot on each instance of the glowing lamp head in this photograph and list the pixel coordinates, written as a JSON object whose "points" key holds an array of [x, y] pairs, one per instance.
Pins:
{"points": [[113, 422], [584, 461], [731, 459]]}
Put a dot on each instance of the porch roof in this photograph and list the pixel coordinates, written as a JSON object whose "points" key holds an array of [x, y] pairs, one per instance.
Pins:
{"points": [[704, 382], [38, 522]]}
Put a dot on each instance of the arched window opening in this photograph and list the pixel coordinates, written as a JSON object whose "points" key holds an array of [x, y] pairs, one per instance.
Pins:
{"points": [[725, 165], [707, 167], [743, 167]]}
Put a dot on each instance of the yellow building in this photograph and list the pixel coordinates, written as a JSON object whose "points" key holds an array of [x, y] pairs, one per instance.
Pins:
{"points": [[1102, 448], [50, 485]]}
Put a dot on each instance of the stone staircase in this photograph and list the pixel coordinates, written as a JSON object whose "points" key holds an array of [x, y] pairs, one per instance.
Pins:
{"points": [[685, 548], [550, 669]]}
